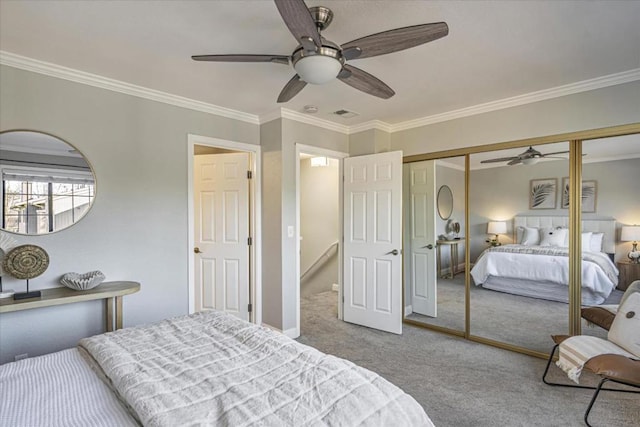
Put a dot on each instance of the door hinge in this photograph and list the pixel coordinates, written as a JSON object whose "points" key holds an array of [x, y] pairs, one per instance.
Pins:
{"points": [[249, 174], [250, 241], [250, 308]]}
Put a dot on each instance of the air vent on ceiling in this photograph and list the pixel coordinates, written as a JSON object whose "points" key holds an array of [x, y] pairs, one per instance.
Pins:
{"points": [[346, 114]]}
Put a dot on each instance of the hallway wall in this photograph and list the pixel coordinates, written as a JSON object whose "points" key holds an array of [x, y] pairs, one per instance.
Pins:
{"points": [[319, 224]]}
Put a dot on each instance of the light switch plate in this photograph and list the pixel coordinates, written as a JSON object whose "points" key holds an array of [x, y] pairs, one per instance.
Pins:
{"points": [[290, 231]]}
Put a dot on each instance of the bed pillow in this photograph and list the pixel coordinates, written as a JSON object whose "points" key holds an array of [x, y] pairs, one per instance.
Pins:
{"points": [[553, 237], [586, 241], [596, 242], [528, 236], [625, 329]]}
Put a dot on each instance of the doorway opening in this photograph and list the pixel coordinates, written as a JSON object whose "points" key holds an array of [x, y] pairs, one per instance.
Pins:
{"points": [[319, 225], [224, 227]]}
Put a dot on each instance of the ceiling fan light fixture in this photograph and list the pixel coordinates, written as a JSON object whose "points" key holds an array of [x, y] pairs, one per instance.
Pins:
{"points": [[530, 160], [318, 69]]}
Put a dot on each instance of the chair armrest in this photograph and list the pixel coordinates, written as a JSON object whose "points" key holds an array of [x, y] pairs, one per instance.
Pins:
{"points": [[598, 316], [616, 367]]}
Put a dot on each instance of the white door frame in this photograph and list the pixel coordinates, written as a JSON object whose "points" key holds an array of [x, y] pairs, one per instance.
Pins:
{"points": [[339, 155], [255, 221]]}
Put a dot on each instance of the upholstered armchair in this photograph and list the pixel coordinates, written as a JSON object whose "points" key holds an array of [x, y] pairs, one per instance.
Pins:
{"points": [[615, 359], [603, 315]]}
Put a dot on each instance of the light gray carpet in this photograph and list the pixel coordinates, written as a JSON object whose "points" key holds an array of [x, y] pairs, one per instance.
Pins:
{"points": [[514, 319], [459, 382]]}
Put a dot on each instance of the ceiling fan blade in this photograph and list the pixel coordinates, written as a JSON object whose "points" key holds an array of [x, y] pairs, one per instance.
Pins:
{"points": [[515, 162], [291, 89], [553, 154], [351, 53], [398, 39], [501, 159], [299, 20], [365, 82], [278, 59]]}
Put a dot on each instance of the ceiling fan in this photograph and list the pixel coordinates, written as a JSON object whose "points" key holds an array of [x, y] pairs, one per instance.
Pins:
{"points": [[528, 157], [317, 60]]}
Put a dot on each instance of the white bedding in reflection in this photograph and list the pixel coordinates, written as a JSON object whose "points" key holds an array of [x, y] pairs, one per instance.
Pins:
{"points": [[536, 266]]}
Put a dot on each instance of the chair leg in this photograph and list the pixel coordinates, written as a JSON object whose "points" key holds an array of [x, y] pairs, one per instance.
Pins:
{"points": [[593, 400], [546, 370]]}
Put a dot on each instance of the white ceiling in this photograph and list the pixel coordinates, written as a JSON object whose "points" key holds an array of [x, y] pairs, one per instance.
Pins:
{"points": [[495, 49]]}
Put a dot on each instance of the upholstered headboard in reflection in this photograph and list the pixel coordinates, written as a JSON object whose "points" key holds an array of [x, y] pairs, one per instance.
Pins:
{"points": [[605, 225]]}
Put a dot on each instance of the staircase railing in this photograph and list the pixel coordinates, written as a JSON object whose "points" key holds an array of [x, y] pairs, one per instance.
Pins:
{"points": [[326, 255]]}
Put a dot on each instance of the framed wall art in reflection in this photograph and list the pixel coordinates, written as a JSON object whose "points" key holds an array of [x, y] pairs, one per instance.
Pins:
{"points": [[543, 193], [589, 195]]}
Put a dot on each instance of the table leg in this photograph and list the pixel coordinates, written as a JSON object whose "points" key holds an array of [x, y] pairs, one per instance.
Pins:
{"points": [[109, 315], [454, 260], [438, 260], [450, 261], [118, 313]]}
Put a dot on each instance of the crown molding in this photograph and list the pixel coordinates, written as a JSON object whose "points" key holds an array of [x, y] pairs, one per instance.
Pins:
{"points": [[270, 116], [284, 113], [77, 76], [372, 124], [315, 121], [528, 98], [611, 158]]}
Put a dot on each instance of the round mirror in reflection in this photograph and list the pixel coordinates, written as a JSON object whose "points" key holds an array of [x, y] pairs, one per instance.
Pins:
{"points": [[445, 202], [48, 185]]}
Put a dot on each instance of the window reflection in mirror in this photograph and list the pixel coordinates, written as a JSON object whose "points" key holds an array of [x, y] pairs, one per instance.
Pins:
{"points": [[518, 231], [610, 174], [47, 185], [434, 244]]}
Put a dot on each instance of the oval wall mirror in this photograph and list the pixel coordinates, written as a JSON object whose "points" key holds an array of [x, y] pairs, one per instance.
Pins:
{"points": [[48, 185], [445, 202]]}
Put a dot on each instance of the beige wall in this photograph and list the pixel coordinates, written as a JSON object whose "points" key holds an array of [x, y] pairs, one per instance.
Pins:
{"points": [[615, 105], [282, 174], [369, 142], [319, 224], [272, 233], [138, 149]]}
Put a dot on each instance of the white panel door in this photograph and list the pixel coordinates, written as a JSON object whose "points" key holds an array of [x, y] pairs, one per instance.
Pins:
{"points": [[221, 191], [424, 296], [373, 241]]}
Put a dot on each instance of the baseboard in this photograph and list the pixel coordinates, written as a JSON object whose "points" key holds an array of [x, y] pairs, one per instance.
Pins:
{"points": [[335, 287], [408, 310], [291, 333]]}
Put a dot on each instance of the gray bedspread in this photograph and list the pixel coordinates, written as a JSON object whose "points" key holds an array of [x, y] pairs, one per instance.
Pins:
{"points": [[213, 369]]}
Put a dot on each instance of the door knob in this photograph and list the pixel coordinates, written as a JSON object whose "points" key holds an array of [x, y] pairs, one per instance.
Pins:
{"points": [[429, 246], [197, 250], [393, 252]]}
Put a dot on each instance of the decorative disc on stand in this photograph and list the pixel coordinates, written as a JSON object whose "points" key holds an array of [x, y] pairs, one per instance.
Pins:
{"points": [[26, 262], [7, 243]]}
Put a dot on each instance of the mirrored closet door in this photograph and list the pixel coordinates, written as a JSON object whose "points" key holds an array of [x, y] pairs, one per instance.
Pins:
{"points": [[519, 238], [434, 243], [610, 221]]}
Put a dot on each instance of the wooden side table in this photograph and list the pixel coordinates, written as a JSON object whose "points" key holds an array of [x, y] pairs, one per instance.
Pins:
{"points": [[110, 292], [453, 257], [629, 272]]}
